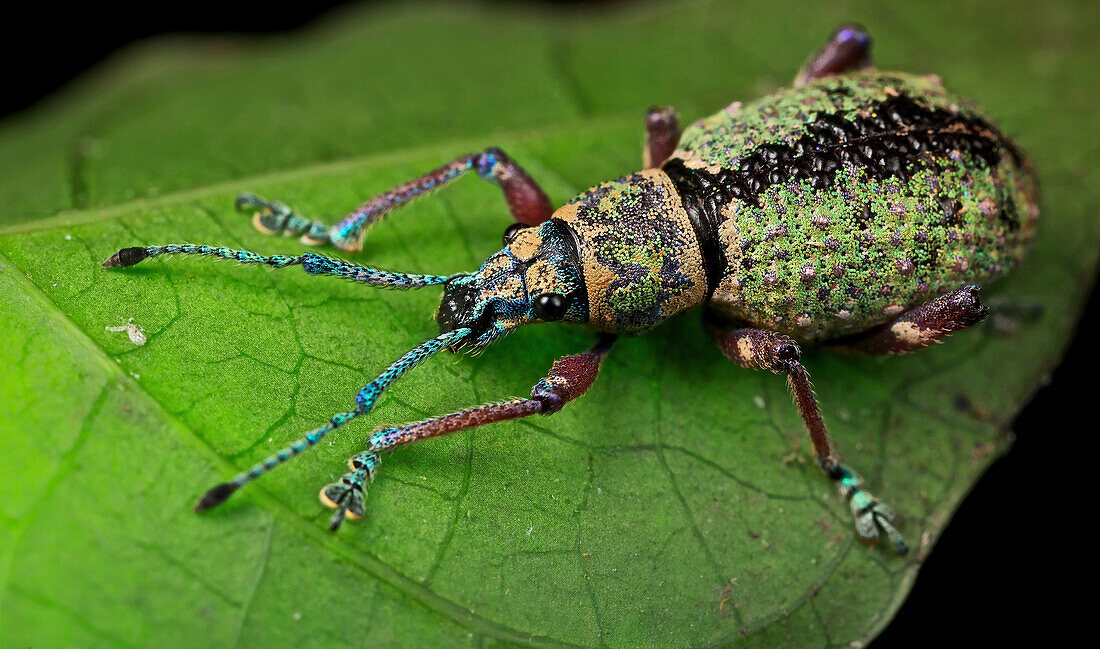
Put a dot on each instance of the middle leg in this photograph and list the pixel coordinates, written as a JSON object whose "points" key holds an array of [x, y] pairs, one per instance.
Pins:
{"points": [[919, 327], [662, 136], [768, 350]]}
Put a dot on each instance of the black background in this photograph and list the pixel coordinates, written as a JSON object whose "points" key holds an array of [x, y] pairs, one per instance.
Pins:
{"points": [[998, 575]]}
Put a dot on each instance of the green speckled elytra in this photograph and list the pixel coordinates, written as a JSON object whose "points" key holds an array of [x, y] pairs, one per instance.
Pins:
{"points": [[859, 210]]}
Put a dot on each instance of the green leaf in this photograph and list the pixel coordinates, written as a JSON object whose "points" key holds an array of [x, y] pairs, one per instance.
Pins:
{"points": [[676, 505]]}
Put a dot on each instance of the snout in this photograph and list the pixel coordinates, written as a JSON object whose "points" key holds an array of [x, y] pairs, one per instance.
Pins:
{"points": [[456, 306]]}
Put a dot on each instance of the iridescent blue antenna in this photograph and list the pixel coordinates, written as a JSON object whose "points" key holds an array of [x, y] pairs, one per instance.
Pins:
{"points": [[364, 403], [311, 263], [316, 265]]}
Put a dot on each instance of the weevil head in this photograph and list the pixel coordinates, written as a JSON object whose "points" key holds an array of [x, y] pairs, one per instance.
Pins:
{"points": [[535, 278]]}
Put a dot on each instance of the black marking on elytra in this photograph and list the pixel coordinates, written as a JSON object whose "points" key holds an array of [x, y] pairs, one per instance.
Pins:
{"points": [[952, 210], [865, 217], [1008, 215], [896, 137]]}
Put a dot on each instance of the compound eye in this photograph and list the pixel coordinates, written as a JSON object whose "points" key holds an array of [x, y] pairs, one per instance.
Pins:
{"points": [[551, 306], [512, 231]]}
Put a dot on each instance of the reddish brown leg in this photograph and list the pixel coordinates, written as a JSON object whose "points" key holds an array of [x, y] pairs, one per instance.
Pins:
{"points": [[920, 327], [662, 131], [768, 350], [849, 48], [569, 378], [526, 200]]}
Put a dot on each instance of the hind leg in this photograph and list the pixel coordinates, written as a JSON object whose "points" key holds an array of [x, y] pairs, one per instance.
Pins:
{"points": [[768, 350], [849, 48], [918, 328], [662, 136]]}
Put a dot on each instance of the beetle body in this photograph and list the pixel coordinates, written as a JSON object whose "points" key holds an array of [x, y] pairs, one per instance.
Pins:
{"points": [[816, 212]]}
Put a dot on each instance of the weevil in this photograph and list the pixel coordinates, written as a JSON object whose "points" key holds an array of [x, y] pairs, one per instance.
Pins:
{"points": [[858, 210]]}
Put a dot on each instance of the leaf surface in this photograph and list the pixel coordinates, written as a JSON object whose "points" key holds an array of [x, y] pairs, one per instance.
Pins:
{"points": [[677, 504]]}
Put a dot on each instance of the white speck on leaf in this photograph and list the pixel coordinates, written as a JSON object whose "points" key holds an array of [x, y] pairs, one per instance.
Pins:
{"points": [[135, 332], [68, 237], [759, 401]]}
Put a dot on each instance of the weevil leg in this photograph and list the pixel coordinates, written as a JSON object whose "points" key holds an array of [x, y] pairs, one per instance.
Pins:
{"points": [[568, 379], [662, 135], [311, 263], [526, 200], [763, 349], [849, 48], [918, 328], [364, 403]]}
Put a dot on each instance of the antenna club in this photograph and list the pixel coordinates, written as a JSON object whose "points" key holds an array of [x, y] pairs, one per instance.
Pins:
{"points": [[216, 496]]}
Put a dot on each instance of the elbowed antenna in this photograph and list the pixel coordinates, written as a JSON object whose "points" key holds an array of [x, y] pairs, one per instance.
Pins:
{"points": [[315, 265], [311, 263], [364, 403]]}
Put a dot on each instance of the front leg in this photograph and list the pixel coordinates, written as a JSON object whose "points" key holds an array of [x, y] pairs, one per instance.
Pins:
{"points": [[527, 202], [569, 378], [768, 350]]}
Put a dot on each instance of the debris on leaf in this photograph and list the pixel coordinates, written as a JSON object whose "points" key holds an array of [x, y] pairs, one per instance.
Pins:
{"points": [[135, 332]]}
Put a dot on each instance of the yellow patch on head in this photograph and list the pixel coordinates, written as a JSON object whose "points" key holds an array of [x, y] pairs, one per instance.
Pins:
{"points": [[542, 278], [526, 244]]}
